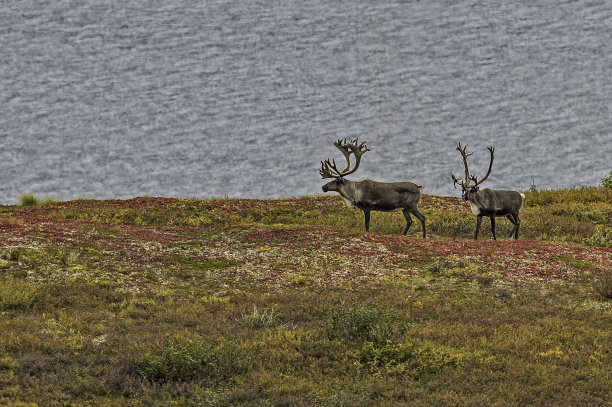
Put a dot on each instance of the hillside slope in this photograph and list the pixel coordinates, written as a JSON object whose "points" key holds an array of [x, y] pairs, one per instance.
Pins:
{"points": [[289, 302]]}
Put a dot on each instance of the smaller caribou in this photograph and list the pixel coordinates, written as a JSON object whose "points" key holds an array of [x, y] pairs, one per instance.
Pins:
{"points": [[370, 195], [489, 202]]}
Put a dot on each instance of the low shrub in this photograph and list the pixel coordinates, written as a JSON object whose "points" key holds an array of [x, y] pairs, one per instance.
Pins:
{"points": [[432, 358], [17, 294], [602, 238], [11, 254], [361, 323], [192, 360], [174, 363], [603, 288], [417, 356], [386, 355]]}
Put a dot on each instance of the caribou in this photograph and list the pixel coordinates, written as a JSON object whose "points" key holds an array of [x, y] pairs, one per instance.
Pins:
{"points": [[370, 195], [488, 202]]}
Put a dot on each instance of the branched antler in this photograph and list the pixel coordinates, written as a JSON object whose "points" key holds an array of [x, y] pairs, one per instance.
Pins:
{"points": [[492, 152], [466, 184], [456, 181], [346, 147]]}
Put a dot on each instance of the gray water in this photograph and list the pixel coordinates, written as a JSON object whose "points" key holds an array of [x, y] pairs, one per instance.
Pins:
{"points": [[208, 98]]}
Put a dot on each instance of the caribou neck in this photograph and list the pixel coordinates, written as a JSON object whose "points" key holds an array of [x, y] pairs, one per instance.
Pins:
{"points": [[350, 192]]}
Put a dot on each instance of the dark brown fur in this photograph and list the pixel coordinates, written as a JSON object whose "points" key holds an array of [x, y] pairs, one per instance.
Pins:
{"points": [[380, 196], [493, 203]]}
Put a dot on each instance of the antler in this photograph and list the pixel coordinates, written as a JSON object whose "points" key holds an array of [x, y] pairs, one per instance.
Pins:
{"points": [[456, 181], [465, 184], [491, 151], [465, 164], [329, 169]]}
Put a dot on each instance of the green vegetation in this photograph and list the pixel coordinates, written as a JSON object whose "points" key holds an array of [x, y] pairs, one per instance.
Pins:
{"points": [[607, 181], [239, 302], [191, 361], [31, 200]]}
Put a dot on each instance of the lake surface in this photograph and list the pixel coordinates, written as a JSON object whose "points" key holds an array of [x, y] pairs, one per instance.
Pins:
{"points": [[191, 98]]}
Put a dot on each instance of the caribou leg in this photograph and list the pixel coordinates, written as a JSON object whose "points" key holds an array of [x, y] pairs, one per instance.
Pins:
{"points": [[518, 223], [493, 226], [420, 217], [478, 222], [367, 219], [406, 213], [510, 217]]}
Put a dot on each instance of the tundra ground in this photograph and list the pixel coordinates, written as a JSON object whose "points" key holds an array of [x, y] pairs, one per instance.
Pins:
{"points": [[288, 302]]}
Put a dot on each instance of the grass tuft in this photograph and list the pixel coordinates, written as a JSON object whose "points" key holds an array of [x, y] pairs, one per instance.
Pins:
{"points": [[260, 318], [31, 200]]}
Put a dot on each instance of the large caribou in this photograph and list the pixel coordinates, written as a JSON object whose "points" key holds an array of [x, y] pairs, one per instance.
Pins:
{"points": [[370, 195], [489, 202]]}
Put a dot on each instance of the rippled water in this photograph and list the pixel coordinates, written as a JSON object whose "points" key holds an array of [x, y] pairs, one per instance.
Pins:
{"points": [[121, 98]]}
